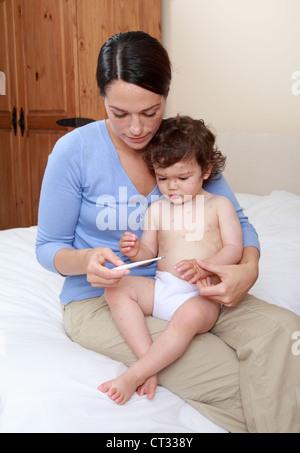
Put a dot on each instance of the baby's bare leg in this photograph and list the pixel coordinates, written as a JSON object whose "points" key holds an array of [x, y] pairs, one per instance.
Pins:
{"points": [[197, 315], [129, 302]]}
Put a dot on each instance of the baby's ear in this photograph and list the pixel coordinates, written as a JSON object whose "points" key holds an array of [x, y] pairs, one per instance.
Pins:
{"points": [[207, 173]]}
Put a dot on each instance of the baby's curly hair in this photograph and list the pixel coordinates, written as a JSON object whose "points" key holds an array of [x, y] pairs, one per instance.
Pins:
{"points": [[182, 138]]}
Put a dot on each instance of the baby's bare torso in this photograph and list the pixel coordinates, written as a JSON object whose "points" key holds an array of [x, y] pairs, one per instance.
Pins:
{"points": [[186, 231]]}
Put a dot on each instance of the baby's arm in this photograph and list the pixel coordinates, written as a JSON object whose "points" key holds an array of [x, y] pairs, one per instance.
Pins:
{"points": [[146, 247], [231, 234]]}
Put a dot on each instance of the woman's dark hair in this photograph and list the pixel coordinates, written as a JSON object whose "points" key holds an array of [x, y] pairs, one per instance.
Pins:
{"points": [[182, 138], [134, 57]]}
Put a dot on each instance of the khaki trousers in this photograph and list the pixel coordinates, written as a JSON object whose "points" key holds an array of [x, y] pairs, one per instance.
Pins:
{"points": [[244, 375]]}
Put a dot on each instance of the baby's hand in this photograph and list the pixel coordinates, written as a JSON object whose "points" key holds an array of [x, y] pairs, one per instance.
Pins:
{"points": [[190, 271], [204, 282], [129, 244]]}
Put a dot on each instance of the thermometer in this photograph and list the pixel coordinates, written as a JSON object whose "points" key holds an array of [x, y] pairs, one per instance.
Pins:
{"points": [[138, 263]]}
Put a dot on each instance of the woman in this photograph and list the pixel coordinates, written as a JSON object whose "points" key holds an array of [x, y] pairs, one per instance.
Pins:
{"points": [[96, 186]]}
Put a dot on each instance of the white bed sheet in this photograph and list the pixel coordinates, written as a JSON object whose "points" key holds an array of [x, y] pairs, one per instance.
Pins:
{"points": [[49, 384], [276, 218]]}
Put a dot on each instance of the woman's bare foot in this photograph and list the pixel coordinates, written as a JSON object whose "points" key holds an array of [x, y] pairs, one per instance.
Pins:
{"points": [[148, 387], [120, 389]]}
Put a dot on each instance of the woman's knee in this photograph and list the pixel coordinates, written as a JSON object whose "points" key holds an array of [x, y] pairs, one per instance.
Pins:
{"points": [[271, 314]]}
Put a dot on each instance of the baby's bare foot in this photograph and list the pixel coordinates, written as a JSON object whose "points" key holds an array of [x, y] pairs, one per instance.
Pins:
{"points": [[148, 387], [120, 389]]}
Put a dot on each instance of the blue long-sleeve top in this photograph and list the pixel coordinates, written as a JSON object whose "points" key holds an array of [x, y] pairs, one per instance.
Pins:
{"points": [[87, 201]]}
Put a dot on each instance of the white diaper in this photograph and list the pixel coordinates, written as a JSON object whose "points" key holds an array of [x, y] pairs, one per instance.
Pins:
{"points": [[170, 293]]}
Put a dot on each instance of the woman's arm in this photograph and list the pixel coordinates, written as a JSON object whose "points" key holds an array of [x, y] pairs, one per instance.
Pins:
{"points": [[60, 202], [59, 211], [236, 280]]}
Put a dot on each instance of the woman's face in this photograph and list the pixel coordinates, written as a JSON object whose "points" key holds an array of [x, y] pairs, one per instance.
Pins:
{"points": [[134, 113]]}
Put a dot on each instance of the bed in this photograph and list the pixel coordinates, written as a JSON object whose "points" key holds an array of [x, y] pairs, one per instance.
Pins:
{"points": [[48, 384]]}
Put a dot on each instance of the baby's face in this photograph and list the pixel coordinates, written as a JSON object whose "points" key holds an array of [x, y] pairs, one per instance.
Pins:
{"points": [[181, 181]]}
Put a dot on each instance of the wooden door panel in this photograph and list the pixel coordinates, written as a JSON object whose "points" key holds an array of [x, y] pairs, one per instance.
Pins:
{"points": [[46, 28], [7, 101], [44, 60], [9, 143], [8, 210], [47, 53], [97, 21], [142, 15]]}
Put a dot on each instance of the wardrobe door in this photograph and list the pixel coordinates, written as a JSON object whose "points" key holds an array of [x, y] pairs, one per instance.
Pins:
{"points": [[9, 138], [48, 52], [47, 86]]}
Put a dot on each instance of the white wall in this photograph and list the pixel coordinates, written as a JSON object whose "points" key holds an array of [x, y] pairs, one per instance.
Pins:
{"points": [[236, 64]]}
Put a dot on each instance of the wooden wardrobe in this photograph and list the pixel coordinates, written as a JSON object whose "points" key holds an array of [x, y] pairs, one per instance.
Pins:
{"points": [[48, 53]]}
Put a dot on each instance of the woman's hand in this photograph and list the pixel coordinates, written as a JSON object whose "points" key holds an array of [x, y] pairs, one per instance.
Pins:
{"points": [[98, 275], [236, 279]]}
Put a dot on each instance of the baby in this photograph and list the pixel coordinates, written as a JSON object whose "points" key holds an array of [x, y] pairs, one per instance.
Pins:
{"points": [[187, 224]]}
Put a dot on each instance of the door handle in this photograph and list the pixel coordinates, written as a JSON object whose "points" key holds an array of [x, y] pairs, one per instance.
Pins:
{"points": [[14, 120], [21, 122], [74, 122]]}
